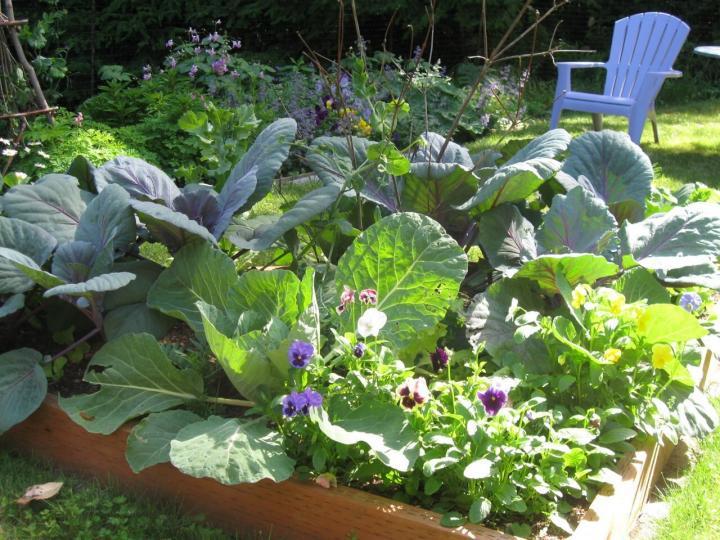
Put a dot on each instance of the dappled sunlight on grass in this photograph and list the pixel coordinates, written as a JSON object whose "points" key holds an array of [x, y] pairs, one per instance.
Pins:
{"points": [[689, 149]]}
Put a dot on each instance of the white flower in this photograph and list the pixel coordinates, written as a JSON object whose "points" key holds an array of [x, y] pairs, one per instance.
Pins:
{"points": [[43, 154], [371, 322], [4, 142], [9, 152]]}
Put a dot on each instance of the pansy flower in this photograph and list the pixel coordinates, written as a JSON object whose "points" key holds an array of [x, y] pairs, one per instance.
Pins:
{"points": [[300, 353], [359, 350], [439, 358], [368, 296], [413, 392], [579, 295], [690, 301], [493, 399], [347, 297], [299, 403], [612, 355], [662, 355], [371, 322]]}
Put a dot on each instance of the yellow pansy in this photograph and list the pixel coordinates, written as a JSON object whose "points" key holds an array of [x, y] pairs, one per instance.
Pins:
{"points": [[579, 295], [662, 355], [643, 318], [363, 127], [612, 355], [617, 302]]}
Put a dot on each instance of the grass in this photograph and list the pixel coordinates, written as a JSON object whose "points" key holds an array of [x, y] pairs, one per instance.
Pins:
{"points": [[689, 149], [85, 510], [695, 507]]}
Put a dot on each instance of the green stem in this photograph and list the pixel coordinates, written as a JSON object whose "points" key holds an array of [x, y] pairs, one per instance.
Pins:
{"points": [[452, 389], [232, 402]]}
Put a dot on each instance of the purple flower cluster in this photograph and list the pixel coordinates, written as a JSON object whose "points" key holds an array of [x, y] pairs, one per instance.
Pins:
{"points": [[220, 66], [690, 301], [299, 403], [493, 399], [300, 353], [193, 71], [439, 358]]}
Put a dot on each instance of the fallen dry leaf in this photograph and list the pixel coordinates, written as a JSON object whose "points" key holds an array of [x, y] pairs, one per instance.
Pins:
{"points": [[40, 492]]}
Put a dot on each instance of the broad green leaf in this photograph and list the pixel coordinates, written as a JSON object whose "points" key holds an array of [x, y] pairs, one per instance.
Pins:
{"points": [[331, 160], [78, 261], [415, 267], [231, 451], [29, 267], [706, 274], [429, 152], [384, 427], [99, 284], [233, 196], [578, 222], [434, 189], [478, 469], [523, 174], [53, 203], [140, 179], [270, 294], [108, 219], [479, 510], [264, 236], [615, 435], [25, 238], [668, 323], [146, 273], [135, 318], [640, 284], [198, 272], [616, 169], [452, 520], [488, 325], [389, 157], [12, 304], [267, 154], [697, 415], [254, 360], [136, 377], [169, 227], [23, 386], [579, 436], [507, 238], [84, 171], [683, 237], [149, 441], [549, 271]]}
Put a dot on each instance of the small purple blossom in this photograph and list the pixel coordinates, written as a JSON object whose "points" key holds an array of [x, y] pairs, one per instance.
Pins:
{"points": [[234, 74], [169, 43], [79, 118], [690, 301], [417, 54], [147, 72], [300, 353], [193, 71], [220, 66], [236, 43], [172, 62], [214, 37], [299, 403], [346, 297], [439, 358], [493, 399], [359, 350], [368, 296], [197, 50], [210, 52], [194, 36]]}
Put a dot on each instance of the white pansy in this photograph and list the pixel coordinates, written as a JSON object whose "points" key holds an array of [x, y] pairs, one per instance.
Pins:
{"points": [[371, 322]]}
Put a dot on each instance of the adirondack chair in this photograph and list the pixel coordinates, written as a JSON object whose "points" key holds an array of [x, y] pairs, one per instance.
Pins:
{"points": [[644, 47]]}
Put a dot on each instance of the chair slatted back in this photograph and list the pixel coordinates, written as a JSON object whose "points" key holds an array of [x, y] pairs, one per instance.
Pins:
{"points": [[641, 43]]}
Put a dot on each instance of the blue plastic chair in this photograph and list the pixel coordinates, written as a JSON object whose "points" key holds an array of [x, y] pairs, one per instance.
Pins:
{"points": [[644, 48]]}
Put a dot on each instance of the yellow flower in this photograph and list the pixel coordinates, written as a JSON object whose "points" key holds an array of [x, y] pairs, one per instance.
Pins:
{"points": [[617, 302], [579, 295], [612, 355], [363, 127], [643, 318], [662, 355]]}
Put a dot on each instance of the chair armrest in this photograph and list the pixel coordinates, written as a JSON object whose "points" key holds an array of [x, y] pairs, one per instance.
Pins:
{"points": [[670, 74], [564, 69], [573, 65]]}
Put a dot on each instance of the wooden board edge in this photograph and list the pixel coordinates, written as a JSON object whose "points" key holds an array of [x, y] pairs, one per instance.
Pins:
{"points": [[307, 510], [615, 509]]}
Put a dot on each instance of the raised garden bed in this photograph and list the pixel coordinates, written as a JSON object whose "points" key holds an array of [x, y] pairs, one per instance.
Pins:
{"points": [[295, 509]]}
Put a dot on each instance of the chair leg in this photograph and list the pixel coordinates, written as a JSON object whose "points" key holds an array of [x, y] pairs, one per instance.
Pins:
{"points": [[653, 120], [635, 128], [597, 119], [555, 117]]}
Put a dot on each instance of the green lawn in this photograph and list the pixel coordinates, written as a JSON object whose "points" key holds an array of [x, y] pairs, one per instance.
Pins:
{"points": [[689, 149], [85, 510], [695, 507]]}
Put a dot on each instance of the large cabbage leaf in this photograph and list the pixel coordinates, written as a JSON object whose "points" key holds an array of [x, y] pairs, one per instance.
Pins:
{"points": [[25, 238], [140, 179]]}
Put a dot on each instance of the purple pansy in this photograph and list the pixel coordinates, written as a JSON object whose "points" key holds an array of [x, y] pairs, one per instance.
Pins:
{"points": [[493, 399], [346, 297], [359, 350], [368, 296], [169, 43], [300, 353], [236, 43], [439, 358], [413, 392], [690, 301], [299, 403]]}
